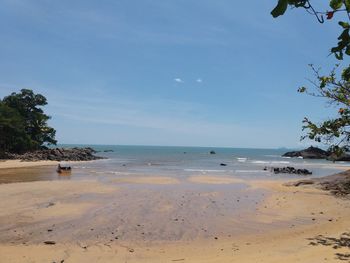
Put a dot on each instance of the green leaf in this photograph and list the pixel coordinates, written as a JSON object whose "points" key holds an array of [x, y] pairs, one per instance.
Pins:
{"points": [[280, 9], [344, 24], [336, 4], [347, 51], [347, 5]]}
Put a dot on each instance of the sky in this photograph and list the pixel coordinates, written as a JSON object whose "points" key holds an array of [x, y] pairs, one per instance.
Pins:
{"points": [[167, 72]]}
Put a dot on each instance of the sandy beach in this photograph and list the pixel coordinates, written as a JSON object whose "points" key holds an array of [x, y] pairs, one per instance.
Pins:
{"points": [[167, 219], [6, 164]]}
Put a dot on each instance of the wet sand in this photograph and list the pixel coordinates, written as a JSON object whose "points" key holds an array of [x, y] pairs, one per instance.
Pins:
{"points": [[168, 219]]}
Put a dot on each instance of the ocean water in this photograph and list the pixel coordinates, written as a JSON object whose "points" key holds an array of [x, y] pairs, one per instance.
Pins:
{"points": [[189, 161]]}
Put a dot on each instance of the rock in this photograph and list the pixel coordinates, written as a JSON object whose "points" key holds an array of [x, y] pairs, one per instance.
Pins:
{"points": [[309, 153], [57, 154], [223, 164], [212, 152], [317, 153], [336, 184], [108, 151], [288, 170]]}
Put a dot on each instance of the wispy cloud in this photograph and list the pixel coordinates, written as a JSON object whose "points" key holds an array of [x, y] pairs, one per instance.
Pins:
{"points": [[178, 80]]}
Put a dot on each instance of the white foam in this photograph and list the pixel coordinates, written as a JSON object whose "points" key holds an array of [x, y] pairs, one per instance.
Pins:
{"points": [[251, 171], [280, 162], [205, 171], [260, 162], [242, 160]]}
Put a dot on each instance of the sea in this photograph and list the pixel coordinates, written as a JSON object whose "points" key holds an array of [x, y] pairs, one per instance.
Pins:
{"points": [[248, 163]]}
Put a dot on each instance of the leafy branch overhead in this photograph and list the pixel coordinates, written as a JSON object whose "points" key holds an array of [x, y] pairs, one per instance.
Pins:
{"points": [[336, 6], [334, 87], [336, 131]]}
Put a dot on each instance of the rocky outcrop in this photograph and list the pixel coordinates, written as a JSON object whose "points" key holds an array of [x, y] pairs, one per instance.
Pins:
{"points": [[317, 153], [57, 154], [337, 184], [288, 170], [342, 158], [309, 153], [212, 152]]}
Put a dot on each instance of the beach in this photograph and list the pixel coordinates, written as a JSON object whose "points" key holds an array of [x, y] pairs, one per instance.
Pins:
{"points": [[165, 218]]}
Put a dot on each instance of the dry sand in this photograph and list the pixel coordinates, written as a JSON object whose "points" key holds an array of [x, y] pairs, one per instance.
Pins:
{"points": [[5, 164], [196, 219]]}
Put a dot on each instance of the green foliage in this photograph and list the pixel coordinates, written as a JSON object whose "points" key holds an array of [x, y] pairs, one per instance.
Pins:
{"points": [[337, 6], [23, 124], [334, 87], [282, 6]]}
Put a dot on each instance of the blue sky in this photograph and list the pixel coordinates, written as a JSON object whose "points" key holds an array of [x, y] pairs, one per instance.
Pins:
{"points": [[166, 72]]}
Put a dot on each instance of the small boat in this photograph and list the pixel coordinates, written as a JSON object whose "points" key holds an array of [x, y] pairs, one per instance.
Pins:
{"points": [[63, 169]]}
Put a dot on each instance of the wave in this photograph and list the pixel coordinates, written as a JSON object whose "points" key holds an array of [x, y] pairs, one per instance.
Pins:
{"points": [[251, 171], [205, 171], [270, 162], [280, 162], [242, 160], [260, 162]]}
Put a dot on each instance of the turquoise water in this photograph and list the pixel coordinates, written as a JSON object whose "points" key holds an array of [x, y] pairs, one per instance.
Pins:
{"points": [[185, 161]]}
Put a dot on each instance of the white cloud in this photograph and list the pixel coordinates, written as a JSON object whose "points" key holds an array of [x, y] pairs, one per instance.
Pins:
{"points": [[178, 80], [199, 80]]}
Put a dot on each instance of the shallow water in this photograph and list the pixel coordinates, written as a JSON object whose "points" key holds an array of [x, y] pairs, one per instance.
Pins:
{"points": [[178, 162]]}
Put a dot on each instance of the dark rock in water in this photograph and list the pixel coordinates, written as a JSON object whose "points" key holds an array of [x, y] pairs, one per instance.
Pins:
{"points": [[288, 170], [223, 164], [212, 152], [108, 151], [58, 154], [309, 153]]}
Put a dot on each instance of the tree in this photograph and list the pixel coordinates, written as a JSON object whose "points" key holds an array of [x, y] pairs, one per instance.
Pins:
{"points": [[12, 134], [23, 123], [335, 86]]}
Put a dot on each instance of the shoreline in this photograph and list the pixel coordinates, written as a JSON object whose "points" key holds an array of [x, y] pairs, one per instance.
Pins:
{"points": [[134, 220]]}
